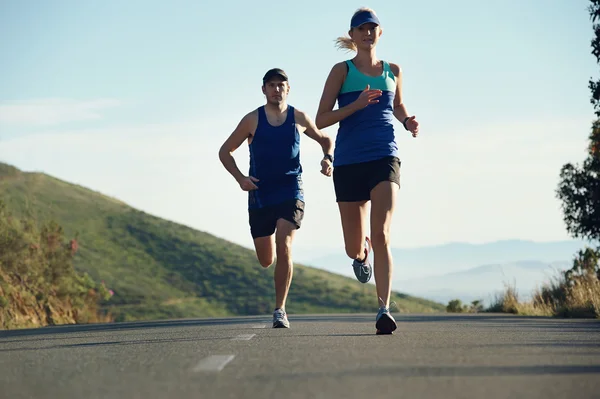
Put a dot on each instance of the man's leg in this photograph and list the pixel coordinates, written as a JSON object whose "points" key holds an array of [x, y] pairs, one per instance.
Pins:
{"points": [[284, 267], [262, 228], [265, 250], [290, 219]]}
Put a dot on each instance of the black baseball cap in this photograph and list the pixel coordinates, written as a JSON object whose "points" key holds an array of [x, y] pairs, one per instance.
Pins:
{"points": [[274, 72]]}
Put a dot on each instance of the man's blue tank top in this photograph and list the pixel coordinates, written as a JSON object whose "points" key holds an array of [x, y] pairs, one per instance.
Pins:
{"points": [[275, 161], [367, 134]]}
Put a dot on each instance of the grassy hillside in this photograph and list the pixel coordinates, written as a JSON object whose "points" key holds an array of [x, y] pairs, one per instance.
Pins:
{"points": [[159, 269], [38, 283]]}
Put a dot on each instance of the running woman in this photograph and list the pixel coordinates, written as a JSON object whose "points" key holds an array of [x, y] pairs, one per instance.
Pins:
{"points": [[366, 159], [274, 182]]}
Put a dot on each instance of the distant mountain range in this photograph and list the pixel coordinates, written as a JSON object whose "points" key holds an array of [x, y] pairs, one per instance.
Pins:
{"points": [[447, 258], [484, 282], [467, 271]]}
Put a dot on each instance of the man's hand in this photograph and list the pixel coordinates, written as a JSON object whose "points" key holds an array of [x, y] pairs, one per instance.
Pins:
{"points": [[247, 183], [326, 167]]}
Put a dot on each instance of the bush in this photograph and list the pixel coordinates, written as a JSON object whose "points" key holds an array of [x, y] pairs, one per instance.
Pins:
{"points": [[38, 262]]}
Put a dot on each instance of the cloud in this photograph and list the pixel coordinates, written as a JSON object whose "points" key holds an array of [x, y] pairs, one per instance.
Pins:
{"points": [[52, 111]]}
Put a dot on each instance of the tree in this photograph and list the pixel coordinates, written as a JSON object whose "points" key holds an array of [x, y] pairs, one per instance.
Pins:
{"points": [[579, 186]]}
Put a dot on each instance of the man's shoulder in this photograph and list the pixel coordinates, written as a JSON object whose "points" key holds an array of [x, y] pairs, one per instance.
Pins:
{"points": [[300, 115], [253, 113], [251, 116]]}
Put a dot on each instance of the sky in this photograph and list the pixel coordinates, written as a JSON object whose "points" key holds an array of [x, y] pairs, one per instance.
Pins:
{"points": [[133, 99]]}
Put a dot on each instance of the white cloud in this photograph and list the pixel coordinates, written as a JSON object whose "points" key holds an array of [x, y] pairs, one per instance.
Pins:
{"points": [[52, 111], [474, 185]]}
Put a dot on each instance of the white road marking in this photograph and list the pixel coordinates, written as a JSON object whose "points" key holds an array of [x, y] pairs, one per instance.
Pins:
{"points": [[214, 363], [243, 337], [257, 326]]}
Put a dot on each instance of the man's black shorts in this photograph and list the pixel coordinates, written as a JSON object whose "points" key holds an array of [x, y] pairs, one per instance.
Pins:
{"points": [[264, 220], [354, 182]]}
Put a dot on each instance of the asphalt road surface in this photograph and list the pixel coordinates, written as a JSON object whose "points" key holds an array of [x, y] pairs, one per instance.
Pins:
{"points": [[429, 356]]}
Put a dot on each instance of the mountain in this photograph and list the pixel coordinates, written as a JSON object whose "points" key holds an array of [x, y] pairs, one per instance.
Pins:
{"points": [[413, 263], [160, 269], [484, 282]]}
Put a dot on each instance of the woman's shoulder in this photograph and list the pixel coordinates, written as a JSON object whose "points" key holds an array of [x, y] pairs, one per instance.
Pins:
{"points": [[395, 68], [340, 67]]}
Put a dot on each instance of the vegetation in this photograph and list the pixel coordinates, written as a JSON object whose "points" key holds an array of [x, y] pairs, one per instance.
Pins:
{"points": [[38, 283], [573, 293], [158, 269], [456, 306], [576, 292]]}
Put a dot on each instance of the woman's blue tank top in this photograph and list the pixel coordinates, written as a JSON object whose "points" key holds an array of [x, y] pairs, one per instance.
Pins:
{"points": [[367, 134]]}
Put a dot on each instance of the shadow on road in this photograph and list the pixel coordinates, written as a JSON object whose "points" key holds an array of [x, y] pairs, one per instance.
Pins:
{"points": [[433, 371], [489, 320]]}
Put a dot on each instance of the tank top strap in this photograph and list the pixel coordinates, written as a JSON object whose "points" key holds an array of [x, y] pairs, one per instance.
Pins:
{"points": [[386, 66], [291, 117]]}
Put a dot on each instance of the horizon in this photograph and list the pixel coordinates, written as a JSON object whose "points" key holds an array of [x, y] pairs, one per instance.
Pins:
{"points": [[132, 109], [436, 245]]}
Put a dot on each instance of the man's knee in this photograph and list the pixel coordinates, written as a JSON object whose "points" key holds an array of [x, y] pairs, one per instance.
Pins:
{"points": [[284, 237], [266, 260], [283, 246]]}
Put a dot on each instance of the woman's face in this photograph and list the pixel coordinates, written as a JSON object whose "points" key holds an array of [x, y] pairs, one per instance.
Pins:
{"points": [[366, 35]]}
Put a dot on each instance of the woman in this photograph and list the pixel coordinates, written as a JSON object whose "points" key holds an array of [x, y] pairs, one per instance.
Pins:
{"points": [[366, 164]]}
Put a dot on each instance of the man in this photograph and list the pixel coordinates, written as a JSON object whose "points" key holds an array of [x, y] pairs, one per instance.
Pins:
{"points": [[274, 182]]}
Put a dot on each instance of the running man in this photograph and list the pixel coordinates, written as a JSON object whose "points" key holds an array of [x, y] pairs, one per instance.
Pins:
{"points": [[367, 167], [274, 182]]}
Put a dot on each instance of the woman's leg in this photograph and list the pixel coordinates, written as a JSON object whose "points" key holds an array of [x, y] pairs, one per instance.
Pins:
{"points": [[383, 199], [386, 180], [354, 227]]}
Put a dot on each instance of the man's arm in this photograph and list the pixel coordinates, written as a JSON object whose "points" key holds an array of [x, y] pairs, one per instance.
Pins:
{"points": [[241, 133], [310, 129]]}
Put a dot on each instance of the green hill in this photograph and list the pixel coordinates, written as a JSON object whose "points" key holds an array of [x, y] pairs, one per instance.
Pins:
{"points": [[160, 269]]}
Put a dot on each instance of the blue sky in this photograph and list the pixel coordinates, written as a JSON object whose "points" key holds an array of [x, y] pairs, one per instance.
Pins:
{"points": [[134, 98]]}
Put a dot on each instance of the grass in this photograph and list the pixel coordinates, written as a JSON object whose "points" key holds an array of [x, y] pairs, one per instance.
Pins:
{"points": [[159, 269], [560, 298], [572, 293]]}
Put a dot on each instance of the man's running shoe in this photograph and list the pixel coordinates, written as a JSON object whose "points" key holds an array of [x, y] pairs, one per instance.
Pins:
{"points": [[363, 270], [280, 319], [384, 322]]}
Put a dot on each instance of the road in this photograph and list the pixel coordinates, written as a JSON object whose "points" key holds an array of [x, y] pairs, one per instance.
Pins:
{"points": [[429, 356]]}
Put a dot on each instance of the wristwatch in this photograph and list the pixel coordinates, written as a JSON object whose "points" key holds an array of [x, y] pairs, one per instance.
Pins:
{"points": [[328, 156]]}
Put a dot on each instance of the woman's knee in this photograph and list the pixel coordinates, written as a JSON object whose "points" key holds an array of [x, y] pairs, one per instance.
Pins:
{"points": [[355, 251], [380, 238]]}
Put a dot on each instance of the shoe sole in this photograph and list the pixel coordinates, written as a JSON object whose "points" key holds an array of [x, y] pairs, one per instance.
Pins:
{"points": [[368, 278], [385, 325], [280, 325]]}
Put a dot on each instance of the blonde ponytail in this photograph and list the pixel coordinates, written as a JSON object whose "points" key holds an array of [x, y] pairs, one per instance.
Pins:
{"points": [[345, 43]]}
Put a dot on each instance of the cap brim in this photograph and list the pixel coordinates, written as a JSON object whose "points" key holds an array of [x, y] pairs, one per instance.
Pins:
{"points": [[275, 75], [366, 21]]}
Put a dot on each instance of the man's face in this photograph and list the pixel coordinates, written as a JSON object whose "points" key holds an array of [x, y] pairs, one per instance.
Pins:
{"points": [[276, 90]]}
